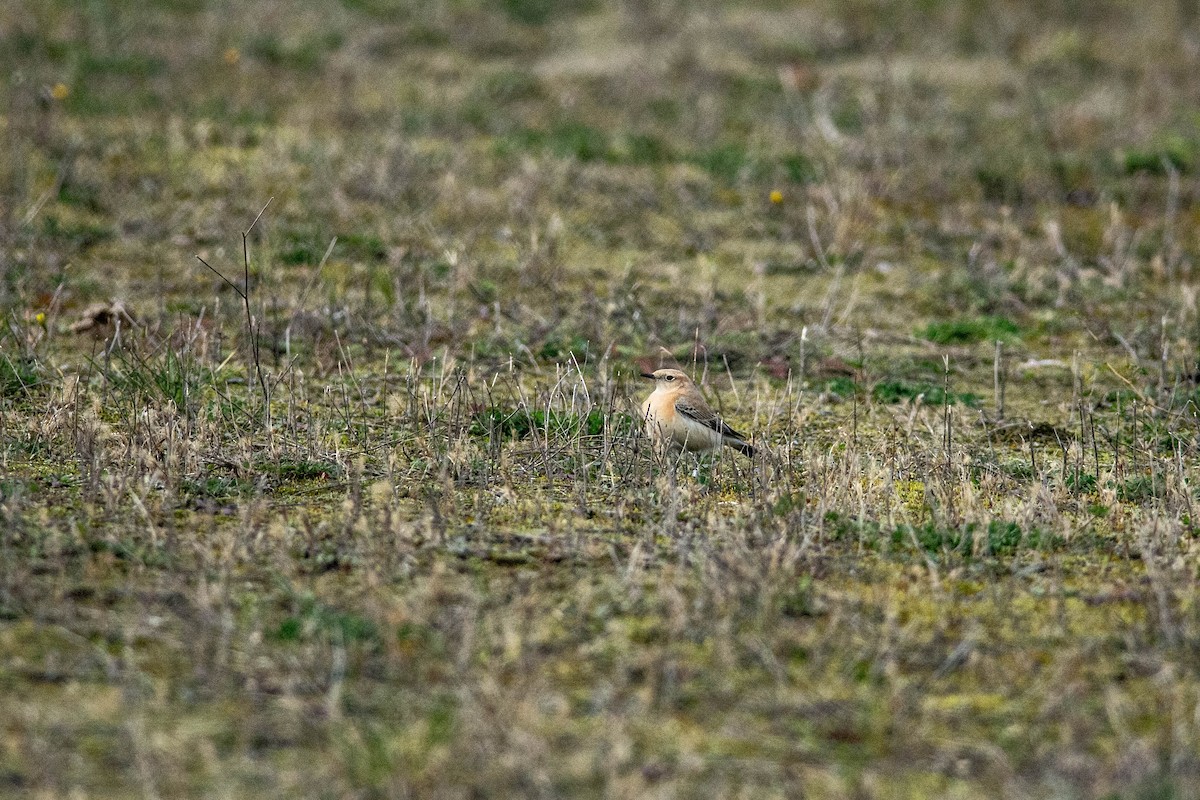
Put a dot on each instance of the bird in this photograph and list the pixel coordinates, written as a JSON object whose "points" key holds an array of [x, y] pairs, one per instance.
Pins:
{"points": [[678, 418]]}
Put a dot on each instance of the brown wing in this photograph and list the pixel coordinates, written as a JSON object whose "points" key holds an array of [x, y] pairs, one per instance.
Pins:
{"points": [[706, 417]]}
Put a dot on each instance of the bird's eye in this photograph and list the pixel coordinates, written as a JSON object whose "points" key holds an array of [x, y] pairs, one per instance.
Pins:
{"points": [[670, 377]]}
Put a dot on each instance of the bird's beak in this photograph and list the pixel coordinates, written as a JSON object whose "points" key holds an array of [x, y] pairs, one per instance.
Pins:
{"points": [[649, 375]]}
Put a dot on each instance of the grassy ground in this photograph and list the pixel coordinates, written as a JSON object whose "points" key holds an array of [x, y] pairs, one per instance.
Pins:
{"points": [[370, 515]]}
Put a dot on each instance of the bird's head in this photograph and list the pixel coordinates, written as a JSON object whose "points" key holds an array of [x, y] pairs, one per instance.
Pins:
{"points": [[668, 379]]}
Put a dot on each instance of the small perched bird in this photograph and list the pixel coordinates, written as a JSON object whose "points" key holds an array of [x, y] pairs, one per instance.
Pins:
{"points": [[678, 417]]}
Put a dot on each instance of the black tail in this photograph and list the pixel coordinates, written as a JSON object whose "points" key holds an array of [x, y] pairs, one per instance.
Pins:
{"points": [[745, 448]]}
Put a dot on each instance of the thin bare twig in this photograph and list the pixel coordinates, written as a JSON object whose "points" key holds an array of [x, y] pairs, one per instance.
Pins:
{"points": [[252, 327]]}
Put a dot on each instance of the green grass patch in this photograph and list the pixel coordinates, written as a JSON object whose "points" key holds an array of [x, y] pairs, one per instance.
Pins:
{"points": [[998, 538], [1140, 489], [725, 162], [520, 423], [19, 375], [166, 375], [300, 469], [124, 65], [541, 12], [799, 168], [306, 55], [897, 391], [644, 148], [313, 618], [84, 196], [839, 385], [1081, 483], [1174, 152], [220, 488], [563, 349], [966, 331], [77, 233]]}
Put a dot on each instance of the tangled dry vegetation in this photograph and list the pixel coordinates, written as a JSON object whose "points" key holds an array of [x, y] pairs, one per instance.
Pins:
{"points": [[368, 514]]}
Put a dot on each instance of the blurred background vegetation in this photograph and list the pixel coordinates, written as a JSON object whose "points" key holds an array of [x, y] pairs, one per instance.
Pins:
{"points": [[968, 159]]}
